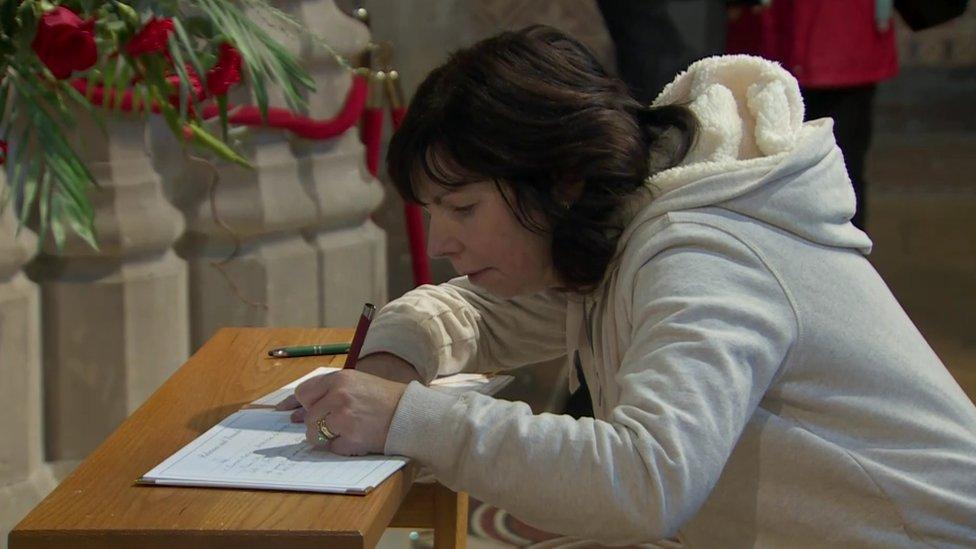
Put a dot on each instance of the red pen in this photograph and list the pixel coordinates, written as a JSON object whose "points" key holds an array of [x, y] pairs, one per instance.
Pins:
{"points": [[360, 336]]}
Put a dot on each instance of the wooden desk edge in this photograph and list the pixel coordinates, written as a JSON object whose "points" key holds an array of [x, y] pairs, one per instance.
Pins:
{"points": [[166, 539], [438, 507], [427, 505]]}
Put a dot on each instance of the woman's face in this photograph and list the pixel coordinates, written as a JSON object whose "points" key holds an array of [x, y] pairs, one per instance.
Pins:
{"points": [[474, 228]]}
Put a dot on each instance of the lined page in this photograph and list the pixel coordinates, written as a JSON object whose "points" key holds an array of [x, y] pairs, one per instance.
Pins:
{"points": [[260, 448], [455, 384], [458, 384], [276, 396], [263, 449]]}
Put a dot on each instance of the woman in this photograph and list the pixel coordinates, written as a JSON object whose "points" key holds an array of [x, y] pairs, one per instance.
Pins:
{"points": [[754, 382]]}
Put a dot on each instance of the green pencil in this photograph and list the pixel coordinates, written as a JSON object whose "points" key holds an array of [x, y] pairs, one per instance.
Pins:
{"points": [[310, 350]]}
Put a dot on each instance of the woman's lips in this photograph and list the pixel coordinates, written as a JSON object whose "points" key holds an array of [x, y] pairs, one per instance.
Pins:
{"points": [[474, 274]]}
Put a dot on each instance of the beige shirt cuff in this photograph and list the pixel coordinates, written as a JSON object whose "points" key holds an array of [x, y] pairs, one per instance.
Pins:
{"points": [[420, 423], [406, 339]]}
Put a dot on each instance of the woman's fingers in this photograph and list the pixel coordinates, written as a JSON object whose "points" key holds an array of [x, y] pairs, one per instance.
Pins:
{"points": [[290, 403], [346, 447], [312, 433], [307, 394], [358, 408], [317, 413], [312, 390]]}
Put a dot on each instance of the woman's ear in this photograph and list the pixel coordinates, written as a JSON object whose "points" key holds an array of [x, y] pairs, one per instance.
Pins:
{"points": [[567, 193]]}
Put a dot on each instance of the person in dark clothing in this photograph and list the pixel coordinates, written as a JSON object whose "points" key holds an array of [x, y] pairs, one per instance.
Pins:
{"points": [[852, 109], [656, 40]]}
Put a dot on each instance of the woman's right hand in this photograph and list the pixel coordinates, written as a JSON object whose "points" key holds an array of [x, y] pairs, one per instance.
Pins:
{"points": [[388, 366], [385, 365]]}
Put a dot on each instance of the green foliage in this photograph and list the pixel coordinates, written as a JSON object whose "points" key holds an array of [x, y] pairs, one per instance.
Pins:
{"points": [[47, 180]]}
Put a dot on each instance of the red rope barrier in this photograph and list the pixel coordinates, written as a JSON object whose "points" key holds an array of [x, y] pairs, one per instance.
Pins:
{"points": [[249, 115], [97, 96], [415, 224], [372, 138], [397, 113], [418, 244]]}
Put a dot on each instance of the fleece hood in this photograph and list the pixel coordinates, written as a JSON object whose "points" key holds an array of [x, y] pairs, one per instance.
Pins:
{"points": [[754, 154]]}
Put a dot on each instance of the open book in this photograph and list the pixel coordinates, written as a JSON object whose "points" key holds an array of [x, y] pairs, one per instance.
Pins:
{"points": [[260, 448]]}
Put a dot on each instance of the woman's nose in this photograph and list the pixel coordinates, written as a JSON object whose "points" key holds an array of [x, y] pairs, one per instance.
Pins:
{"points": [[441, 242]]}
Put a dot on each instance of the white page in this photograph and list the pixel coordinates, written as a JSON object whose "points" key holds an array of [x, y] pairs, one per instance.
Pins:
{"points": [[458, 384], [263, 449], [276, 396], [454, 384]]}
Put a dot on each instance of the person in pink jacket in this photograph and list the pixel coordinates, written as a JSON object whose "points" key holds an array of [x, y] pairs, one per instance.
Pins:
{"points": [[838, 50]]}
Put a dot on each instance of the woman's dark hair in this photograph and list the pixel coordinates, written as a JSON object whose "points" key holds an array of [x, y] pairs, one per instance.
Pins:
{"points": [[534, 110]]}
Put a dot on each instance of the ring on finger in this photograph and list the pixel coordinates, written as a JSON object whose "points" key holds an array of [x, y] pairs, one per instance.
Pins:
{"points": [[324, 433]]}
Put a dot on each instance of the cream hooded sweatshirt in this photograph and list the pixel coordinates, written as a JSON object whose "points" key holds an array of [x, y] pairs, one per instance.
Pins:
{"points": [[754, 382]]}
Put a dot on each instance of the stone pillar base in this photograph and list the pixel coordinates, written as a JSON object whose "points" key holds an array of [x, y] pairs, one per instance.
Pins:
{"points": [[20, 379], [20, 497], [352, 272], [115, 329], [277, 271]]}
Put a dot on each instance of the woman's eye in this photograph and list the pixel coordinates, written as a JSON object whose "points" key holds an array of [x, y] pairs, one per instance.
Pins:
{"points": [[464, 210]]}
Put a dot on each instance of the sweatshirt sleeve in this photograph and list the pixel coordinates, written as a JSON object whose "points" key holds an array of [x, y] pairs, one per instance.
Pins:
{"points": [[710, 327], [453, 327]]}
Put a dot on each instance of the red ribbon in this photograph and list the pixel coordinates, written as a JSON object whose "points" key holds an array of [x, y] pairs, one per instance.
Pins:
{"points": [[415, 225], [372, 138], [249, 115]]}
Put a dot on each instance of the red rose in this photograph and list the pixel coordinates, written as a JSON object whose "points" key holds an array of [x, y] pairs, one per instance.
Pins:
{"points": [[152, 38], [226, 72], [64, 42]]}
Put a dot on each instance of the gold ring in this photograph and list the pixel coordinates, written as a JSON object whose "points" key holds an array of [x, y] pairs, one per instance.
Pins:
{"points": [[324, 432]]}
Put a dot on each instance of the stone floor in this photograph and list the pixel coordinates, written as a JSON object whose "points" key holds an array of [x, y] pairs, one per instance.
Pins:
{"points": [[922, 217], [401, 538]]}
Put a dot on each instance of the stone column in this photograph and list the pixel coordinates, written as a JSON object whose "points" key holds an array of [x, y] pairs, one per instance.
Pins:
{"points": [[351, 248], [24, 479], [307, 246], [114, 319], [271, 280]]}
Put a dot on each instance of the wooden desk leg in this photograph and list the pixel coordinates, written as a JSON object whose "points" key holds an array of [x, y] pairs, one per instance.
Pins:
{"points": [[450, 519]]}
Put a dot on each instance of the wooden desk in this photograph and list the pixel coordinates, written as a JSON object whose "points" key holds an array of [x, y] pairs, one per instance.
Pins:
{"points": [[100, 506]]}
